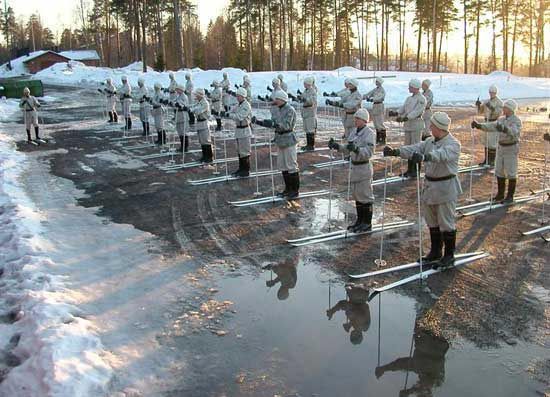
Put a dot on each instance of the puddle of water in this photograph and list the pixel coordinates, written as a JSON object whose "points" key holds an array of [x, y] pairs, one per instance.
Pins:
{"points": [[282, 340]]}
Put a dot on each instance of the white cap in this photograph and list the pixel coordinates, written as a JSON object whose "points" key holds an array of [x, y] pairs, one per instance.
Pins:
{"points": [[242, 92], [171, 75], [346, 81], [124, 78], [441, 120], [362, 114], [493, 88], [511, 104], [188, 76], [215, 83], [141, 80], [246, 78], [280, 77], [379, 80], [109, 80], [415, 83], [427, 82], [26, 90], [276, 81], [157, 86], [354, 82], [224, 75], [199, 92], [281, 95], [309, 80]]}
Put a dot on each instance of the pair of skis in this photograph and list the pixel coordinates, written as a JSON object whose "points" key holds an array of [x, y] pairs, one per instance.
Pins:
{"points": [[277, 199], [485, 206], [38, 142], [344, 234], [460, 260]]}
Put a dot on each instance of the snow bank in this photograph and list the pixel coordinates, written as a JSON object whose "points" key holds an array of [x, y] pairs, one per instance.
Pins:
{"points": [[56, 353], [18, 67]]}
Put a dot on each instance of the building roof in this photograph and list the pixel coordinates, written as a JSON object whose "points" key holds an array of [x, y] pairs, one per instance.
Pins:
{"points": [[81, 55], [37, 54]]}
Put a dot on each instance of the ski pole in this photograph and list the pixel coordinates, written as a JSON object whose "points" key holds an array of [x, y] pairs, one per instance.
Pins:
{"points": [[543, 221], [271, 169], [419, 218], [379, 324], [381, 262], [471, 165], [347, 198], [257, 192], [494, 177], [225, 156], [330, 191], [214, 147]]}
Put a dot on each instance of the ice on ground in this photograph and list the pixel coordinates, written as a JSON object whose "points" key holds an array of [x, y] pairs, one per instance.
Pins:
{"points": [[8, 107], [54, 352], [118, 160]]}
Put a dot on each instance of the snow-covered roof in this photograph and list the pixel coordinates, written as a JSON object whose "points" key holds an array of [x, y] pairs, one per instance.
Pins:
{"points": [[36, 54], [81, 55]]}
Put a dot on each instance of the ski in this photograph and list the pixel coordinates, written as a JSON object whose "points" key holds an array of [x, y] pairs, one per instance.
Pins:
{"points": [[33, 142], [535, 231], [547, 239], [276, 199], [407, 266], [139, 147], [329, 163], [191, 164], [499, 205], [337, 232], [42, 140], [344, 234], [124, 138], [224, 178], [427, 273]]}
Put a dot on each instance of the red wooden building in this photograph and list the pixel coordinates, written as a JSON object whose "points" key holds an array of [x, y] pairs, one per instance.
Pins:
{"points": [[42, 60]]}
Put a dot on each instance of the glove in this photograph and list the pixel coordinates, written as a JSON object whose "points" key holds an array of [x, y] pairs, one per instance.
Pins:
{"points": [[269, 89], [547, 137], [207, 92], [325, 94], [393, 113], [499, 127], [333, 145], [254, 120], [261, 98], [333, 94], [351, 147], [100, 90], [417, 157], [269, 124], [475, 125], [267, 98], [428, 157], [299, 92], [236, 86], [478, 103], [389, 151], [401, 119], [329, 102], [292, 97]]}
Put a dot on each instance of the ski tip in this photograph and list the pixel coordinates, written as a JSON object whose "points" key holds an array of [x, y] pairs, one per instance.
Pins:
{"points": [[372, 295]]}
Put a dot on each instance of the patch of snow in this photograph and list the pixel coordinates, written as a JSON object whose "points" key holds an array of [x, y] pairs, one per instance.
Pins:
{"points": [[8, 108], [59, 353], [80, 55], [119, 160], [85, 167]]}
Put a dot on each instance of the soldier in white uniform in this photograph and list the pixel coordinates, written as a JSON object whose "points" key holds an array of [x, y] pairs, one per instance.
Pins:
{"points": [[216, 101], [189, 87], [181, 105], [491, 110], [377, 96], [226, 86], [283, 85], [171, 90], [427, 115], [144, 105], [309, 112], [241, 113], [283, 120], [201, 108], [29, 105], [411, 116], [110, 92], [441, 189], [360, 148], [351, 103], [508, 128], [158, 114], [248, 87], [125, 95]]}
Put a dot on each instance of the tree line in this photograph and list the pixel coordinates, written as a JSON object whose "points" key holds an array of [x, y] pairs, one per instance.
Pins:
{"points": [[303, 34]]}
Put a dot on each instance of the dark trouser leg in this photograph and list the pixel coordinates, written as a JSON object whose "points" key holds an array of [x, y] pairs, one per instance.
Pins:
{"points": [[246, 166], [181, 144], [382, 136], [285, 192], [238, 171], [147, 129], [164, 137], [218, 124], [115, 116], [378, 136], [365, 217], [358, 209], [501, 186], [186, 144], [111, 117], [191, 118], [511, 190], [29, 136], [436, 245], [36, 132], [129, 123], [449, 238], [294, 185], [209, 154], [144, 124], [491, 155], [159, 137]]}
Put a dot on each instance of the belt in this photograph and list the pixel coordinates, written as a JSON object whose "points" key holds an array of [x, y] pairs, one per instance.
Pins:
{"points": [[491, 120], [243, 126], [376, 103], [440, 178], [508, 144], [350, 112], [215, 100], [156, 106], [200, 119], [29, 110], [283, 132], [307, 106], [428, 108], [359, 162]]}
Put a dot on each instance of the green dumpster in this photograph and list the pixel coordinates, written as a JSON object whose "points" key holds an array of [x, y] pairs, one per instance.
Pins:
{"points": [[13, 88]]}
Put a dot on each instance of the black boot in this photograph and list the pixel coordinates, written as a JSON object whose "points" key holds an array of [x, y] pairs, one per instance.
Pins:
{"points": [[378, 136], [246, 166], [186, 148], [310, 143], [435, 253], [286, 179], [163, 136], [218, 124], [115, 116], [191, 118], [366, 219], [159, 137], [239, 170], [501, 186], [383, 137], [485, 159], [29, 138], [511, 191], [36, 132], [181, 145], [144, 124], [448, 260], [358, 221], [415, 170], [209, 154], [294, 185], [128, 123], [491, 153], [203, 158], [110, 117]]}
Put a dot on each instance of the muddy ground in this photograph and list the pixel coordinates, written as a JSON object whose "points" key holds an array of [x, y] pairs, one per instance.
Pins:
{"points": [[494, 313]]}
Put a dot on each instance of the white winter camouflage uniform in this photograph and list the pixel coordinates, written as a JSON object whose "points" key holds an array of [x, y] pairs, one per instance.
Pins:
{"points": [[439, 197], [142, 95], [377, 96], [284, 118], [427, 115], [491, 110], [242, 115], [125, 95], [158, 110], [412, 109], [309, 109], [182, 116], [29, 106], [201, 109], [226, 86], [506, 163], [351, 104], [110, 93], [216, 99]]}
